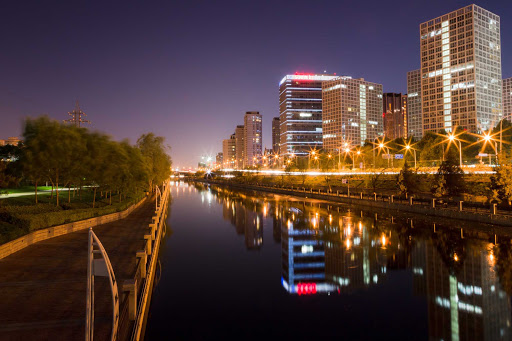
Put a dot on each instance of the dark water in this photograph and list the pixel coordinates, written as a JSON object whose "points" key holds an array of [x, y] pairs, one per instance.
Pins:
{"points": [[246, 265]]}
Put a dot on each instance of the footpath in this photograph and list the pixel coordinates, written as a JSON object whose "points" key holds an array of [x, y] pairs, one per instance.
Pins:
{"points": [[43, 286]]}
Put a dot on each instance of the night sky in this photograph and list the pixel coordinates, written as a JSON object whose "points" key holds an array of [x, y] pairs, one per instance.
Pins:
{"points": [[188, 70]]}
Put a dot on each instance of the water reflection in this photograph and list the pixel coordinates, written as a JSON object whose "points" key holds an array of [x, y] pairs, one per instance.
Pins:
{"points": [[464, 277]]}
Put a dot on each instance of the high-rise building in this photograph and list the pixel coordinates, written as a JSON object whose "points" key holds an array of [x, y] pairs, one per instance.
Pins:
{"points": [[414, 113], [394, 115], [219, 158], [239, 149], [300, 112], [252, 139], [275, 134], [461, 70], [352, 112], [229, 151], [507, 99]]}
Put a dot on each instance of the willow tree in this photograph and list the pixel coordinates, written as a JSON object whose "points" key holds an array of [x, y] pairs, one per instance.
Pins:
{"points": [[157, 162]]}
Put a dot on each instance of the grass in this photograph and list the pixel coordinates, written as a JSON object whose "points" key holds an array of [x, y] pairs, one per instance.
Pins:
{"points": [[27, 189], [20, 215]]}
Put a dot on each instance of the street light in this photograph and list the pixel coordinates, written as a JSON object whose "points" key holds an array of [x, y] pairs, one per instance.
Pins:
{"points": [[383, 146], [347, 151], [488, 138], [407, 148], [452, 138]]}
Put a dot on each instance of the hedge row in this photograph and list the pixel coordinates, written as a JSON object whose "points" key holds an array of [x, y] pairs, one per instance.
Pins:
{"points": [[28, 219]]}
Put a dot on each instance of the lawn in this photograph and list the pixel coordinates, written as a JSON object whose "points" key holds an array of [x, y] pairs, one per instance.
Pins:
{"points": [[20, 215], [26, 189]]}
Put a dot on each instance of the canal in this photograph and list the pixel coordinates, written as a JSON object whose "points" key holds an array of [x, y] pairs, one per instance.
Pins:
{"points": [[249, 265]]}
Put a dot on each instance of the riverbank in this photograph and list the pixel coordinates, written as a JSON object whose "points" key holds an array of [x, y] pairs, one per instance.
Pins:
{"points": [[380, 201], [44, 284]]}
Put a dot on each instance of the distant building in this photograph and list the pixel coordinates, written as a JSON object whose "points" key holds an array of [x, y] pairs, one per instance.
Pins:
{"points": [[414, 113], [239, 135], [219, 158], [229, 152], [461, 70], [300, 112], [394, 115], [252, 139], [507, 99], [275, 134], [352, 112], [13, 141]]}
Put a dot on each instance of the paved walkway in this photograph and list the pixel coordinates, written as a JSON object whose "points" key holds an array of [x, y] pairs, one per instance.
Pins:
{"points": [[43, 287]]}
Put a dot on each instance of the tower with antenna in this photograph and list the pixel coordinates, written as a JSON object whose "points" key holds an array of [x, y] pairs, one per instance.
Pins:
{"points": [[77, 116]]}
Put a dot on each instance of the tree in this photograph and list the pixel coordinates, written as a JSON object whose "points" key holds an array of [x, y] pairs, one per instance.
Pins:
{"points": [[405, 179], [450, 177], [500, 188], [155, 158], [53, 149]]}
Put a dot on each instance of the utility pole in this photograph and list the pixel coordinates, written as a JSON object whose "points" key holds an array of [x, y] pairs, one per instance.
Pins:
{"points": [[77, 116]]}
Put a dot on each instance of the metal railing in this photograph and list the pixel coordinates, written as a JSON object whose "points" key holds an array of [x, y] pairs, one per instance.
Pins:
{"points": [[156, 228]]}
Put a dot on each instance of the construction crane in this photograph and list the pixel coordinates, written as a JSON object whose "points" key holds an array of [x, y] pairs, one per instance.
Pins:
{"points": [[77, 116]]}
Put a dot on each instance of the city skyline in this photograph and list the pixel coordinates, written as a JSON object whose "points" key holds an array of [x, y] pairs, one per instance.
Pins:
{"points": [[135, 69]]}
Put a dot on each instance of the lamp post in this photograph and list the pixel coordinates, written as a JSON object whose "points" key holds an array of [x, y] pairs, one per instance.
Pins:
{"points": [[487, 138], [309, 158], [383, 146], [452, 138], [407, 148]]}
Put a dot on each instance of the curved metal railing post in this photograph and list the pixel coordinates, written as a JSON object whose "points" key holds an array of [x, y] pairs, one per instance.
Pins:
{"points": [[103, 268]]}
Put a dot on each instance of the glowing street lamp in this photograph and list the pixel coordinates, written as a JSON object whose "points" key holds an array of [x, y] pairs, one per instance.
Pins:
{"points": [[383, 146], [453, 138], [488, 138], [408, 148]]}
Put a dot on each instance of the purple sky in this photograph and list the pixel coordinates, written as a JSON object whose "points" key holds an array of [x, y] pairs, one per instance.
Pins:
{"points": [[188, 70]]}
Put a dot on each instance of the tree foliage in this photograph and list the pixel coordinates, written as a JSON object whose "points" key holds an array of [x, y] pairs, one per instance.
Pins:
{"points": [[449, 179], [67, 155], [158, 163], [500, 188], [405, 180]]}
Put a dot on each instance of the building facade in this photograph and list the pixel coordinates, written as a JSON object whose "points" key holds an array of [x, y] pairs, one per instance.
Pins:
{"points": [[414, 113], [13, 141], [253, 151], [300, 113], [229, 152], [239, 148], [394, 115], [507, 99], [461, 70], [275, 134], [352, 112]]}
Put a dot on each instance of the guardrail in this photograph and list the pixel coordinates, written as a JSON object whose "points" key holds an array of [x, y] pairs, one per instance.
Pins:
{"points": [[142, 283]]}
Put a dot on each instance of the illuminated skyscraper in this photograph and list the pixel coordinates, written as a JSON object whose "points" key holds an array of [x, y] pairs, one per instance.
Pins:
{"points": [[252, 138], [461, 70], [352, 112], [239, 150], [414, 114], [275, 134], [394, 115], [300, 112], [507, 99]]}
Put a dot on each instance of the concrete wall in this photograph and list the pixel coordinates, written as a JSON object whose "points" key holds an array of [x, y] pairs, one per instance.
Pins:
{"points": [[55, 231]]}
